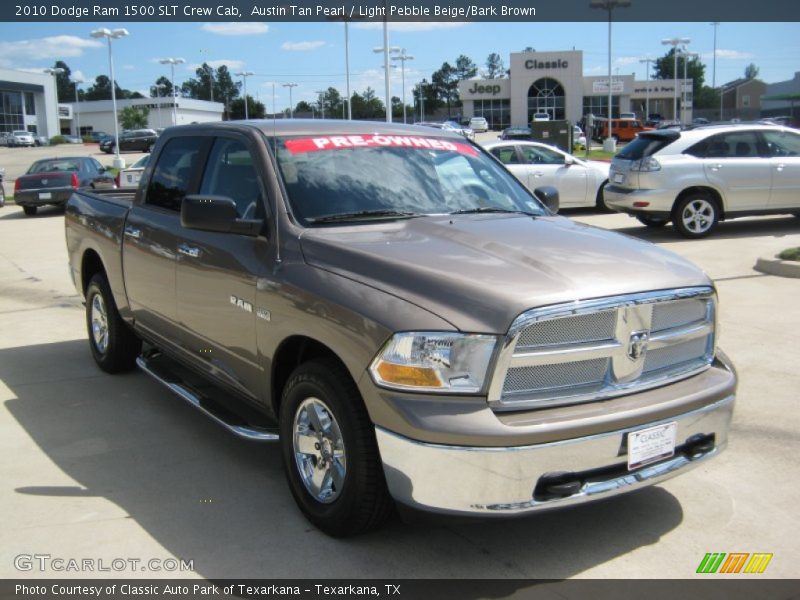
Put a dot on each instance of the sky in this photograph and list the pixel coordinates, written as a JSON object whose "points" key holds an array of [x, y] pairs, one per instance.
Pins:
{"points": [[313, 54]]}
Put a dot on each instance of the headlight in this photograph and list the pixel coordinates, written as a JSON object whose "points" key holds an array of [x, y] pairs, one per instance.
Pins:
{"points": [[434, 362]]}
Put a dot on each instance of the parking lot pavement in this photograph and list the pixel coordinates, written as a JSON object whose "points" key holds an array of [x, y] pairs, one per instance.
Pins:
{"points": [[17, 160], [102, 467]]}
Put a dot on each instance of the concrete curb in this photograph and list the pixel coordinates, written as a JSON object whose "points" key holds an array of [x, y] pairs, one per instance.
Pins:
{"points": [[776, 266]]}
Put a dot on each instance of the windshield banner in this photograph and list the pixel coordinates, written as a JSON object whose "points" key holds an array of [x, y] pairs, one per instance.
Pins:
{"points": [[343, 142]]}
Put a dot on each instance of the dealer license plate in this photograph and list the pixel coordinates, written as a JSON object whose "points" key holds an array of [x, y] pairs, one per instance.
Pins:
{"points": [[45, 195], [651, 445], [619, 177]]}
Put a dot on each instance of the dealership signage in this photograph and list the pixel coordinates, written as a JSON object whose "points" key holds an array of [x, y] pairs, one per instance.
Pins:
{"points": [[532, 63], [492, 89], [600, 86]]}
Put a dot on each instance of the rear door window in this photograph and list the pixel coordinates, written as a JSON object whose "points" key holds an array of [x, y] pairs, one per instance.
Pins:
{"points": [[782, 143], [506, 154], [230, 172], [175, 172], [736, 144]]}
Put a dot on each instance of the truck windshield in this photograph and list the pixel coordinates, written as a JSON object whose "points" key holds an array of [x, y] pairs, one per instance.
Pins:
{"points": [[339, 178]]}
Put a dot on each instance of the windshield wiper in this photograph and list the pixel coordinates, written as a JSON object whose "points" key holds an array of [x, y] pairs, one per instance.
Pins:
{"points": [[362, 215], [489, 209]]}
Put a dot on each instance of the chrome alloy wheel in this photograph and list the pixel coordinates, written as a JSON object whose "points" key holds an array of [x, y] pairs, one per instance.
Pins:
{"points": [[99, 324], [698, 216], [319, 450]]}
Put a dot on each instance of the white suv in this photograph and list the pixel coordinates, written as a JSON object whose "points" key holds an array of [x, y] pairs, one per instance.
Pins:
{"points": [[699, 177]]}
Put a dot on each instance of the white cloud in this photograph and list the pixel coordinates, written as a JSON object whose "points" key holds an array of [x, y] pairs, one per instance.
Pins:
{"points": [[728, 54], [626, 60], [76, 74], [411, 26], [52, 47], [302, 46], [236, 28], [216, 64]]}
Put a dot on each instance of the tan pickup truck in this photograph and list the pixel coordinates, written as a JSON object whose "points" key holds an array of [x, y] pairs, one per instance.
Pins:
{"points": [[406, 319]]}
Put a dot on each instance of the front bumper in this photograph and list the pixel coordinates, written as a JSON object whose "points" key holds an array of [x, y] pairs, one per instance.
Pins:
{"points": [[493, 481]]}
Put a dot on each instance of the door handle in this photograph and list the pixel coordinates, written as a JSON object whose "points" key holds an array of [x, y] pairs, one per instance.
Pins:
{"points": [[190, 251], [716, 167], [780, 167], [133, 232], [538, 174]]}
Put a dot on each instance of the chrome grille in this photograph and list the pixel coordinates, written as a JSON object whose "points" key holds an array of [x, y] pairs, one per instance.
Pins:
{"points": [[584, 351], [582, 328]]}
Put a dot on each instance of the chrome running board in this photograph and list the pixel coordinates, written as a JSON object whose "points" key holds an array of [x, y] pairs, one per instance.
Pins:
{"points": [[206, 405]]}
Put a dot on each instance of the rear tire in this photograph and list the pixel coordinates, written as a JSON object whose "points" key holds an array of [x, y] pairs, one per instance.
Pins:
{"points": [[696, 215], [29, 210], [114, 345], [652, 222], [330, 453]]}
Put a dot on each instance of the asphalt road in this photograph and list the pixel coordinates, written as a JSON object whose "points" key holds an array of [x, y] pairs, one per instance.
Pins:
{"points": [[101, 467]]}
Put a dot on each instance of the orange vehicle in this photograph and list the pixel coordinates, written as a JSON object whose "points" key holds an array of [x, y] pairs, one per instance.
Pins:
{"points": [[622, 130]]}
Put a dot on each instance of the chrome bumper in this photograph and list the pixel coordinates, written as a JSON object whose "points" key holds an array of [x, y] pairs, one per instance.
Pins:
{"points": [[501, 481]]}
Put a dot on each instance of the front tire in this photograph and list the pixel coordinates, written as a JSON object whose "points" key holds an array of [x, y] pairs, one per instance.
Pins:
{"points": [[114, 345], [29, 210], [696, 215], [330, 454], [599, 201]]}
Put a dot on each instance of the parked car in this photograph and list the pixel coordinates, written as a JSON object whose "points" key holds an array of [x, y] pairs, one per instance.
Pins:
{"points": [[41, 140], [579, 182], [458, 128], [478, 124], [129, 178], [515, 133], [136, 140], [700, 121], [73, 139], [403, 317], [699, 177], [578, 137], [541, 116], [21, 138], [52, 181], [98, 136], [622, 130]]}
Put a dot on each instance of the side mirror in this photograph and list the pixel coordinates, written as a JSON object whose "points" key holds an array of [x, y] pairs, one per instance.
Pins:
{"points": [[547, 195], [216, 213], [569, 160]]}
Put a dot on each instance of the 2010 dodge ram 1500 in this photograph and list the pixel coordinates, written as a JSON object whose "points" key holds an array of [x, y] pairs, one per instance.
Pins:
{"points": [[404, 316]]}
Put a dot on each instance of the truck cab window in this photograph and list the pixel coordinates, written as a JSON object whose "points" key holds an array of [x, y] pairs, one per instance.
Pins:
{"points": [[230, 172], [173, 172]]}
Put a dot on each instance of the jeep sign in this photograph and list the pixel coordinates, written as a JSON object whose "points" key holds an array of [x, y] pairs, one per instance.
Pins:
{"points": [[485, 89]]}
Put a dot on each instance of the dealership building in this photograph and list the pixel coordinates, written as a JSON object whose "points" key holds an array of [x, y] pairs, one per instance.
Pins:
{"points": [[554, 82], [98, 115], [28, 102]]}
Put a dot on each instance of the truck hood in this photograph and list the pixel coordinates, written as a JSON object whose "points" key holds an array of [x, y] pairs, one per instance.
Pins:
{"points": [[479, 272]]}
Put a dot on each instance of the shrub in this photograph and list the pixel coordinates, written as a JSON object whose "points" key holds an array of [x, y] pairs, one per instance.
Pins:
{"points": [[57, 139], [790, 254]]}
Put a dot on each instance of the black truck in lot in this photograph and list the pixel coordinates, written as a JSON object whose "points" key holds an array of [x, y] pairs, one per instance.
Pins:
{"points": [[405, 318]]}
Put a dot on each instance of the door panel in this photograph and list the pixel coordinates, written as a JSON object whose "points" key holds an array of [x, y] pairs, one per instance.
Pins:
{"points": [[547, 167], [784, 149], [734, 163]]}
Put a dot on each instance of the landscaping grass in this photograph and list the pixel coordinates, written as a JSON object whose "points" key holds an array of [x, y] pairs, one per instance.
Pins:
{"points": [[790, 254]]}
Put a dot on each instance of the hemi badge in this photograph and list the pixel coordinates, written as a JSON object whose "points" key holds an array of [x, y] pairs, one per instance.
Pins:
{"points": [[263, 313]]}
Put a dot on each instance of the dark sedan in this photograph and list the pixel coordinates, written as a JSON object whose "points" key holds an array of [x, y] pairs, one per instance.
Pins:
{"points": [[137, 140], [516, 133], [52, 181]]}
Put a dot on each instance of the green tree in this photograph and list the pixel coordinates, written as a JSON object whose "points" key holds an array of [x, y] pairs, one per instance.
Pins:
{"points": [[101, 90], [495, 68], [304, 107], [134, 117], [332, 102], [664, 68], [65, 89], [367, 105], [465, 68], [751, 71], [209, 83], [426, 92], [255, 109], [163, 92], [445, 82]]}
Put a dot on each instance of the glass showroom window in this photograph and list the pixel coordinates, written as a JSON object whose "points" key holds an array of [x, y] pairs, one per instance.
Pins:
{"points": [[496, 112], [11, 118], [598, 106], [547, 95]]}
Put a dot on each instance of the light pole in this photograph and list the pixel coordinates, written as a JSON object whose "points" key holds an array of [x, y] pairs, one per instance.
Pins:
{"points": [[347, 69], [76, 82], [385, 49], [112, 34], [609, 145], [159, 87], [291, 108], [686, 56], [675, 42], [647, 62], [172, 62], [244, 75], [55, 72], [403, 57], [714, 76], [321, 95]]}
